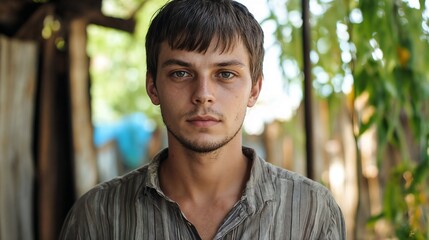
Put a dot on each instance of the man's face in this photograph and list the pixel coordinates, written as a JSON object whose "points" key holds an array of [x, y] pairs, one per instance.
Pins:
{"points": [[203, 96]]}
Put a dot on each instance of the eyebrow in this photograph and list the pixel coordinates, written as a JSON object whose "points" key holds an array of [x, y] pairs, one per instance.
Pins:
{"points": [[231, 63], [174, 61]]}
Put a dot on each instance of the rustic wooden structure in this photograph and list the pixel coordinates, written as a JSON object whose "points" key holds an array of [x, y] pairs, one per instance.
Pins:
{"points": [[47, 157], [17, 88]]}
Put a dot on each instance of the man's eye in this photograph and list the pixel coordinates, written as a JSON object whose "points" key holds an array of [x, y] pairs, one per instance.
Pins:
{"points": [[180, 74], [226, 75]]}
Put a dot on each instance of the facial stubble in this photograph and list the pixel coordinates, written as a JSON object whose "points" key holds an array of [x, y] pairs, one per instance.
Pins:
{"points": [[195, 145]]}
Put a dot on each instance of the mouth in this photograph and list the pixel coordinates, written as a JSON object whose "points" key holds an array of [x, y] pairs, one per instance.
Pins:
{"points": [[203, 120]]}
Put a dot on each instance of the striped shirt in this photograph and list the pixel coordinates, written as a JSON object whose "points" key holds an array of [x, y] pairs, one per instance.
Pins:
{"points": [[276, 204]]}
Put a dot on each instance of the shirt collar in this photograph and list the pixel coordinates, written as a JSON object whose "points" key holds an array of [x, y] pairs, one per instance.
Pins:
{"points": [[152, 177], [259, 188]]}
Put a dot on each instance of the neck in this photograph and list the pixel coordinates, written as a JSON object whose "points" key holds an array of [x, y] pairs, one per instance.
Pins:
{"points": [[200, 177]]}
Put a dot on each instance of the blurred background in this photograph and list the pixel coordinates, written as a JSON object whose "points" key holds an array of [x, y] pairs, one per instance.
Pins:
{"points": [[345, 101]]}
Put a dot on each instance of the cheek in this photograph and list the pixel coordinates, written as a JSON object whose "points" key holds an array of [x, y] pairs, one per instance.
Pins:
{"points": [[168, 106], [172, 107], [170, 97], [240, 111], [239, 102]]}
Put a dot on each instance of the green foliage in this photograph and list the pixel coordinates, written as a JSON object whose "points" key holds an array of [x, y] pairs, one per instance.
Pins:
{"points": [[397, 86], [383, 46], [118, 68]]}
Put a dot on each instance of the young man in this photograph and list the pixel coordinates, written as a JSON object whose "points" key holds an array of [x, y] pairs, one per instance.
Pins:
{"points": [[204, 62]]}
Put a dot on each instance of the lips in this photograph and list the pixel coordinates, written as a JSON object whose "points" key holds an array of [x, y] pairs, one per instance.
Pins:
{"points": [[203, 120]]}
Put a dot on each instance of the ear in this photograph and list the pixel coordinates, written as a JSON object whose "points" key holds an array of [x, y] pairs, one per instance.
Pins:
{"points": [[151, 89], [254, 92]]}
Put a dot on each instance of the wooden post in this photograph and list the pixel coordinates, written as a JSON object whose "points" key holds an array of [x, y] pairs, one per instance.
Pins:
{"points": [[17, 86], [85, 164], [307, 88], [47, 161]]}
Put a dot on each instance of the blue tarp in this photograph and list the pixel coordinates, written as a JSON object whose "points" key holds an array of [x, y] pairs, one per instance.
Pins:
{"points": [[132, 134]]}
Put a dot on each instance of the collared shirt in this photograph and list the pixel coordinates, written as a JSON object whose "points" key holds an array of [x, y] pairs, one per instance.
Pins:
{"points": [[276, 204]]}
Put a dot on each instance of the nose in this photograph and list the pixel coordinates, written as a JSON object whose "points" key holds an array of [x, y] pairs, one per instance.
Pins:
{"points": [[203, 91]]}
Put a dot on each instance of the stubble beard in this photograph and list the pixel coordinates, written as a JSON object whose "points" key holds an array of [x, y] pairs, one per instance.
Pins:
{"points": [[202, 148]]}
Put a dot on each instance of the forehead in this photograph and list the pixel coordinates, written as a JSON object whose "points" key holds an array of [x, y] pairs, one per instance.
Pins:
{"points": [[215, 51]]}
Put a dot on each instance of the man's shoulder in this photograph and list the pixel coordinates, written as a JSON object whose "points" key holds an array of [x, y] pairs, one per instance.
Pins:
{"points": [[104, 203], [131, 183], [295, 196], [282, 177]]}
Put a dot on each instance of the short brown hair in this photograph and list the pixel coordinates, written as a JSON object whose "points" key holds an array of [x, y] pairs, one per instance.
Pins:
{"points": [[191, 25]]}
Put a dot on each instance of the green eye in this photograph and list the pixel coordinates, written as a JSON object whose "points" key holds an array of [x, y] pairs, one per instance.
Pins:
{"points": [[226, 75], [180, 74]]}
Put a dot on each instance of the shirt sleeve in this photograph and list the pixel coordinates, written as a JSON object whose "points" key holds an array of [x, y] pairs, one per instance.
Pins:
{"points": [[74, 225], [85, 220], [336, 229]]}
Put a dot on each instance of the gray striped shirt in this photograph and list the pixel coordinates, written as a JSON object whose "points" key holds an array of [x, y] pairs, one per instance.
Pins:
{"points": [[276, 204]]}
